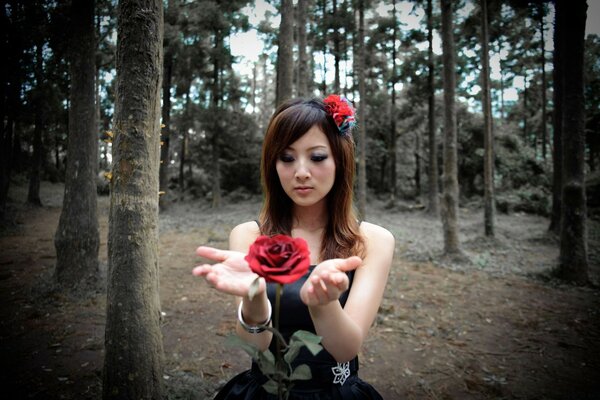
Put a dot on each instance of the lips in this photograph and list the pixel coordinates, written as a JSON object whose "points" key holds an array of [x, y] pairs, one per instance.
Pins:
{"points": [[302, 189]]}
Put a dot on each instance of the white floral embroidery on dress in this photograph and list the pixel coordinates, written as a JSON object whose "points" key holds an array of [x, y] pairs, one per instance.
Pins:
{"points": [[341, 372]]}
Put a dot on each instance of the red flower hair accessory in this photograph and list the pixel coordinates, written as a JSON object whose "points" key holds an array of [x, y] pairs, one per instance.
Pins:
{"points": [[342, 112]]}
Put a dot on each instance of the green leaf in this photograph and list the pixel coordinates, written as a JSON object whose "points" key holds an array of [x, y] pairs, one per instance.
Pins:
{"points": [[270, 386], [254, 286], [301, 373], [236, 341], [292, 351], [266, 362], [308, 339]]}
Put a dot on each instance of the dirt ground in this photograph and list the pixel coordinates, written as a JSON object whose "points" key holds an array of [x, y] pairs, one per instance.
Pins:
{"points": [[498, 327]]}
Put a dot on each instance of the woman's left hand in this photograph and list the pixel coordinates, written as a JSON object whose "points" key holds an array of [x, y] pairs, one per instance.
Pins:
{"points": [[328, 281]]}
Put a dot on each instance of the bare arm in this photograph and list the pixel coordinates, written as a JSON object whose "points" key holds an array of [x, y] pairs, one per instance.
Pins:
{"points": [[232, 275], [345, 329]]}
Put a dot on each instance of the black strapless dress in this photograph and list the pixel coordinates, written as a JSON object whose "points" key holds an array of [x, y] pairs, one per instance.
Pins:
{"points": [[330, 380]]}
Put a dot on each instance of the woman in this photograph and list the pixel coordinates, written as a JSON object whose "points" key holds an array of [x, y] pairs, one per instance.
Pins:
{"points": [[307, 171]]}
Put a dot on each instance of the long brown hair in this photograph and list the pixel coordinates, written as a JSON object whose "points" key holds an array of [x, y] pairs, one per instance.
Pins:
{"points": [[291, 121]]}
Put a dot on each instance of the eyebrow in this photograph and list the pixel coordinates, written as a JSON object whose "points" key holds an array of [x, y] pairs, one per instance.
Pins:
{"points": [[319, 146]]}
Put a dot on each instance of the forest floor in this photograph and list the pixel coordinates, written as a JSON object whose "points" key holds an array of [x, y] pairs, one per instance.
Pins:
{"points": [[498, 327]]}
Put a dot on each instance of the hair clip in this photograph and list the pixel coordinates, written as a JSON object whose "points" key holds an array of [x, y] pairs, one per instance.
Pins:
{"points": [[342, 112]]}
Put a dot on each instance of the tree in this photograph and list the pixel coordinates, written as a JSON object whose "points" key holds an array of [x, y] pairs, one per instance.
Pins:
{"points": [[488, 135], [303, 76], [362, 126], [77, 236], [285, 61], [170, 43], [393, 134], [133, 361], [557, 115], [573, 261], [449, 204], [433, 207]]}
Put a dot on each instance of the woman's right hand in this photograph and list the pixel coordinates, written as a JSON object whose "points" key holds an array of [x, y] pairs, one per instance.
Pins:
{"points": [[231, 274]]}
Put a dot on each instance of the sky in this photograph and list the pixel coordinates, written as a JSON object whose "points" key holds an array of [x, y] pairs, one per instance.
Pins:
{"points": [[247, 46]]}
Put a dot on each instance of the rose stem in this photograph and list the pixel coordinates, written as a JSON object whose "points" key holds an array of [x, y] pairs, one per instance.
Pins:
{"points": [[278, 341]]}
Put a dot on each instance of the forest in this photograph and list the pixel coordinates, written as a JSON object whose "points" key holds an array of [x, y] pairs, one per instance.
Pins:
{"points": [[132, 131]]}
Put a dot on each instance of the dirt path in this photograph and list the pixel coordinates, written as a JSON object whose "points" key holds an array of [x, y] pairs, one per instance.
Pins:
{"points": [[496, 328]]}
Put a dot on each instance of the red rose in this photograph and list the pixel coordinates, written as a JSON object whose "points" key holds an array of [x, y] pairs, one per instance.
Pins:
{"points": [[279, 259]]}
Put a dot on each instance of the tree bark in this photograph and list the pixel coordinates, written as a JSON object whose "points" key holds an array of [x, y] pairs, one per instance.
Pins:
{"points": [[433, 208], [215, 149], [336, 49], [362, 126], [133, 363], [488, 134], [392, 143], [77, 237], [573, 259], [302, 85], [543, 43], [557, 98], [285, 61], [166, 122], [33, 194], [449, 211]]}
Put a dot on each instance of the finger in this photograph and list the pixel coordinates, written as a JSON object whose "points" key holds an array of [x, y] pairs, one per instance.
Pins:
{"points": [[349, 264], [201, 270], [212, 253]]}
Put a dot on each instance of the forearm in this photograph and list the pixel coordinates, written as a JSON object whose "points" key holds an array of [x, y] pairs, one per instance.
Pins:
{"points": [[342, 337], [255, 312]]}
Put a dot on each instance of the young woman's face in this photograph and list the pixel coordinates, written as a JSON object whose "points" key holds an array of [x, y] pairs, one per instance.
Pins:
{"points": [[306, 169]]}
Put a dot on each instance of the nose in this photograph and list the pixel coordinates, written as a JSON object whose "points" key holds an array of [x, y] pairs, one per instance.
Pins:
{"points": [[302, 172]]}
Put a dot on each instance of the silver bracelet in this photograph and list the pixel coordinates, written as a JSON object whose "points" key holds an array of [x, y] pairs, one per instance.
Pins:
{"points": [[254, 328]]}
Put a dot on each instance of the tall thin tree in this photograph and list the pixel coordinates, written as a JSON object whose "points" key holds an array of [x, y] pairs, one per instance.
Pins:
{"points": [[433, 207], [542, 15], [133, 360], [362, 127], [392, 140], [573, 259], [449, 212], [77, 237], [285, 61], [488, 134], [302, 85], [169, 55], [557, 99]]}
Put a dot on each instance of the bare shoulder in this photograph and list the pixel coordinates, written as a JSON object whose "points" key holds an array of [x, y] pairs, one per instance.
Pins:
{"points": [[243, 235], [376, 235]]}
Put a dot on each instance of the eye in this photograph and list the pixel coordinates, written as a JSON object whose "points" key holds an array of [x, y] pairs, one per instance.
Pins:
{"points": [[286, 158], [318, 157]]}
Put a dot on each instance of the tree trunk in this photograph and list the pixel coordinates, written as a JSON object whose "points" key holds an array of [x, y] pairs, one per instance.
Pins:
{"points": [[133, 364], [488, 135], [449, 211], [33, 194], [184, 143], [543, 41], [166, 118], [302, 85], [392, 144], [77, 237], [336, 49], [11, 86], [433, 207], [573, 259], [362, 126], [557, 98], [324, 33], [285, 61], [214, 137]]}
